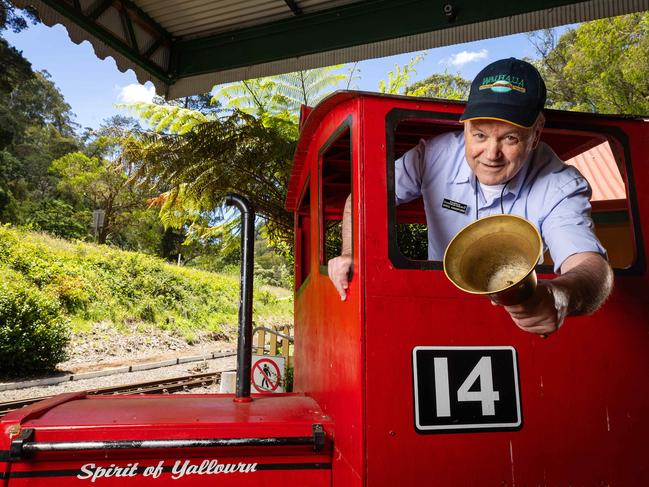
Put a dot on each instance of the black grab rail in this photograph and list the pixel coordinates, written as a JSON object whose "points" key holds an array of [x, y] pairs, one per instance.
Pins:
{"points": [[244, 343]]}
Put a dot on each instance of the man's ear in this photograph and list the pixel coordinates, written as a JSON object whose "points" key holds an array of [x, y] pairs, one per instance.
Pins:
{"points": [[538, 128]]}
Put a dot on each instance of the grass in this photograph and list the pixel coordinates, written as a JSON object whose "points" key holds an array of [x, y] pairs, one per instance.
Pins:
{"points": [[96, 283]]}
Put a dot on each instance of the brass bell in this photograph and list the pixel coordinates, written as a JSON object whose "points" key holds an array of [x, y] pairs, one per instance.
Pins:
{"points": [[495, 256]]}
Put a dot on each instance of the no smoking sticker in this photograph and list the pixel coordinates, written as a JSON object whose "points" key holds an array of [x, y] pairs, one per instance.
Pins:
{"points": [[267, 373]]}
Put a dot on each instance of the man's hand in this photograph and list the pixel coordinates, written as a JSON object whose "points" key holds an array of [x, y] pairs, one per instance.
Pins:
{"points": [[585, 282], [339, 269], [542, 313]]}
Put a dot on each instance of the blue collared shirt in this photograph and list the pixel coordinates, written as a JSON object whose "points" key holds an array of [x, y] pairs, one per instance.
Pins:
{"points": [[549, 193]]}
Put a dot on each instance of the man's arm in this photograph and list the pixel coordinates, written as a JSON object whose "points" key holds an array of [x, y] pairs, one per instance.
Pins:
{"points": [[585, 282], [339, 268]]}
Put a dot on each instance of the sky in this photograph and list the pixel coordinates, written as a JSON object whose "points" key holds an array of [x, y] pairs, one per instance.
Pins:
{"points": [[92, 87]]}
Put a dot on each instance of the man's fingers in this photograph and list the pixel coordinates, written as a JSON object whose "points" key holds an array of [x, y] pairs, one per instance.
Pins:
{"points": [[338, 269], [341, 285], [536, 329]]}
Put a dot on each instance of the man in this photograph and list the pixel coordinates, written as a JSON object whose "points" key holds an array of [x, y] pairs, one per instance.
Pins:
{"points": [[497, 165]]}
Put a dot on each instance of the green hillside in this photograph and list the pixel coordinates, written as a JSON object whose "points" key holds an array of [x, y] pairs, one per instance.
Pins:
{"points": [[51, 288]]}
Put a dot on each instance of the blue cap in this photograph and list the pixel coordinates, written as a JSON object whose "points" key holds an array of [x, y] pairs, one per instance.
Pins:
{"points": [[509, 90]]}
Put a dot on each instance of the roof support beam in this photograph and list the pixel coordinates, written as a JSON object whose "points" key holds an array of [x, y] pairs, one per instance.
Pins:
{"points": [[351, 31], [154, 47], [99, 9], [293, 6], [341, 27], [89, 23], [128, 26]]}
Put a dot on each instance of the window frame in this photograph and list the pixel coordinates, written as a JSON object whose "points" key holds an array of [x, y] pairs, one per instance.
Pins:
{"points": [[345, 126], [306, 189], [616, 137]]}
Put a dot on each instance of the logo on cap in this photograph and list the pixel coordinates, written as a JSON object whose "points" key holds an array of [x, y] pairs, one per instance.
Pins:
{"points": [[503, 83]]}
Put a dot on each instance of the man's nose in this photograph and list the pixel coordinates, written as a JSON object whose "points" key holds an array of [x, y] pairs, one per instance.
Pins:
{"points": [[492, 151]]}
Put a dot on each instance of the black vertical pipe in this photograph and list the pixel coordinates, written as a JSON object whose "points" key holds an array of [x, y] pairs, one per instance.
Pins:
{"points": [[244, 343]]}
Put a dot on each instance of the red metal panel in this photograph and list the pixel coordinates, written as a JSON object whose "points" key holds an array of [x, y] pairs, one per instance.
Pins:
{"points": [[178, 470], [584, 398], [189, 417], [328, 353]]}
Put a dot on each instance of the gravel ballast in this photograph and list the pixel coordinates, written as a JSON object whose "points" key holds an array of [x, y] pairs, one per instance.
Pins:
{"points": [[104, 348]]}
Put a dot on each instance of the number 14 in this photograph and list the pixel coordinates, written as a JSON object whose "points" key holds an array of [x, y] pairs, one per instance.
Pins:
{"points": [[486, 395]]}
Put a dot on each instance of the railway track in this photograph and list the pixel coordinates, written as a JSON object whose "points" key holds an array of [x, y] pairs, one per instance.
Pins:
{"points": [[165, 386]]}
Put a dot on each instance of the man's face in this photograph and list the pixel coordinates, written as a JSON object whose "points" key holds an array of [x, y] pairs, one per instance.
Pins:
{"points": [[497, 150]]}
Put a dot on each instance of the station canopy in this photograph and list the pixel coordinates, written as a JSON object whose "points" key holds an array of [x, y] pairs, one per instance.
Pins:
{"points": [[186, 47]]}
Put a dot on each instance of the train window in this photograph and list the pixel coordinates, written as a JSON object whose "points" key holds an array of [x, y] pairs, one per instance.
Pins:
{"points": [[604, 171], [335, 187], [596, 151], [408, 232], [303, 237]]}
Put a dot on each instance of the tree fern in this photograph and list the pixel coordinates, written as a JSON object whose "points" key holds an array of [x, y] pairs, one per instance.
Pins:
{"points": [[234, 153], [170, 118], [284, 92]]}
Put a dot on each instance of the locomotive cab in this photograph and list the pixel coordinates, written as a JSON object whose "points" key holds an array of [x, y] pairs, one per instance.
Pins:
{"points": [[426, 384], [408, 381]]}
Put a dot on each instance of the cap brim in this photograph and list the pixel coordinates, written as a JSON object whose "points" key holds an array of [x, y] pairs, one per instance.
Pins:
{"points": [[513, 114]]}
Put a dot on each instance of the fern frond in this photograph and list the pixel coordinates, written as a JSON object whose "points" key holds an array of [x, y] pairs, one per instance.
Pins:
{"points": [[170, 118]]}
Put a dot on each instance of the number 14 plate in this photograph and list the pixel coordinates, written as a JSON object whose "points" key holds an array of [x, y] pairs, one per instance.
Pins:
{"points": [[466, 389]]}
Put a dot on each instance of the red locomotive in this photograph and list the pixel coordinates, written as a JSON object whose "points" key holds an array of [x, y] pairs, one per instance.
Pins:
{"points": [[409, 381]]}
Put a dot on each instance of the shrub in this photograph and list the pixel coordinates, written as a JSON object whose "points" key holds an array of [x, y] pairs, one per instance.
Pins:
{"points": [[60, 219], [72, 292], [33, 334]]}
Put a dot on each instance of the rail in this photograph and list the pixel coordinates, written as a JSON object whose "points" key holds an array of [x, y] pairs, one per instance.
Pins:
{"points": [[152, 387], [22, 446]]}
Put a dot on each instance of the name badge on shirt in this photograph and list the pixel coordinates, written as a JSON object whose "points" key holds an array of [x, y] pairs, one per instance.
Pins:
{"points": [[454, 206]]}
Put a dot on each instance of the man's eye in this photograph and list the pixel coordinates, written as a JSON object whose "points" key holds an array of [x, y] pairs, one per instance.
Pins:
{"points": [[511, 139], [479, 136]]}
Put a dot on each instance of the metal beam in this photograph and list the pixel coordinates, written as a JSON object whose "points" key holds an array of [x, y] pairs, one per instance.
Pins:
{"points": [[293, 6], [99, 9], [88, 23], [128, 27], [154, 47], [390, 26], [350, 25]]}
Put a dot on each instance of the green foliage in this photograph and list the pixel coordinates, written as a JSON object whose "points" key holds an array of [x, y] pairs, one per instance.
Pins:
{"points": [[412, 239], [11, 18], [288, 379], [33, 333], [601, 66], [253, 96], [35, 128], [98, 183], [38, 102], [90, 283], [138, 230], [306, 87], [60, 219], [282, 94], [270, 267], [237, 153], [168, 118], [16, 69], [445, 86], [8, 206], [399, 78]]}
